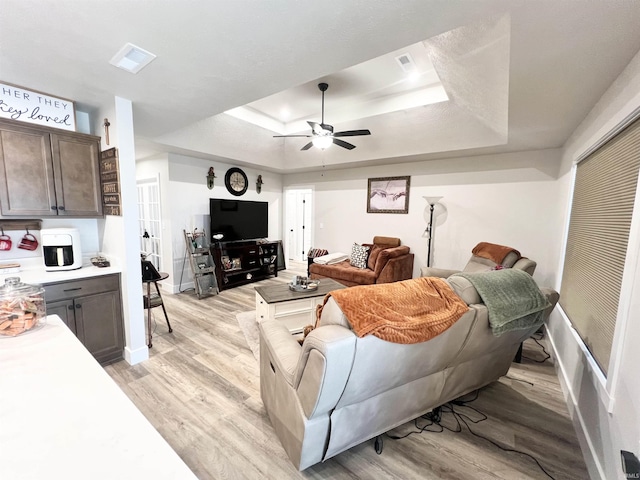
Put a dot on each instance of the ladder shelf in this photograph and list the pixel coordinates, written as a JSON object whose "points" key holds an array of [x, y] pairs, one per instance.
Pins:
{"points": [[202, 263]]}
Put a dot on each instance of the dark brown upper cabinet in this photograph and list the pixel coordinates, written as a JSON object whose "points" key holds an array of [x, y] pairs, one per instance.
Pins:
{"points": [[46, 172]]}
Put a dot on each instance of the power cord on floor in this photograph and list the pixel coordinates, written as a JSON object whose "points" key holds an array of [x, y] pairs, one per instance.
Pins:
{"points": [[435, 417], [519, 380], [543, 349]]}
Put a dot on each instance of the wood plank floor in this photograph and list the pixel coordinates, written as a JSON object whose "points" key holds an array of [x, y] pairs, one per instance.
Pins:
{"points": [[200, 390]]}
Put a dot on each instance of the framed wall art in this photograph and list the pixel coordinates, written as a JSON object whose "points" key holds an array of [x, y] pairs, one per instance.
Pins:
{"points": [[388, 195]]}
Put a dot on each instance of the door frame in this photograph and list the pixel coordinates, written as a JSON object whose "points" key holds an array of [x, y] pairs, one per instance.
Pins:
{"points": [[309, 224]]}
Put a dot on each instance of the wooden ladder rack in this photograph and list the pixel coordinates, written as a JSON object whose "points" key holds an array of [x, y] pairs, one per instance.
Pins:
{"points": [[202, 264]]}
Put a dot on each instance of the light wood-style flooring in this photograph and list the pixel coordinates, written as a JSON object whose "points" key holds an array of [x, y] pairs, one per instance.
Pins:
{"points": [[200, 390]]}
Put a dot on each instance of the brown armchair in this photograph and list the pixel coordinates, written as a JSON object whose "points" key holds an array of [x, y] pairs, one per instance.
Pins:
{"points": [[388, 262]]}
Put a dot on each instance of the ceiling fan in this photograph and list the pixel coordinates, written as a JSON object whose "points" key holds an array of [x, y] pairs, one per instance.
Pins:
{"points": [[322, 134]]}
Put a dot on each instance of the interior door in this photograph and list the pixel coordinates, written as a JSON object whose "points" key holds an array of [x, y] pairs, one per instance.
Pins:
{"points": [[150, 220], [298, 215]]}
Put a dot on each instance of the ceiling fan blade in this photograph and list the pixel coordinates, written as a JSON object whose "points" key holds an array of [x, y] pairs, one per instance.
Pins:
{"points": [[307, 146], [352, 133], [343, 144], [288, 136]]}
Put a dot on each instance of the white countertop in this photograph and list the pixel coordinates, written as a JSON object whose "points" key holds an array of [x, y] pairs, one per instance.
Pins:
{"points": [[63, 417], [38, 274]]}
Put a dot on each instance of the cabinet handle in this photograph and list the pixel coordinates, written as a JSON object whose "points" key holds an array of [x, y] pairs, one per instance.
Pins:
{"points": [[53, 207], [261, 302], [70, 307], [72, 289], [61, 208], [78, 305]]}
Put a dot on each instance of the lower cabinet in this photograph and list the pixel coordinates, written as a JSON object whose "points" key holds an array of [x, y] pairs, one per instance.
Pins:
{"points": [[92, 309]]}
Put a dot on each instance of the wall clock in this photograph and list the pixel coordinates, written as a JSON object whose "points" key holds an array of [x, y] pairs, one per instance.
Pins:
{"points": [[236, 181]]}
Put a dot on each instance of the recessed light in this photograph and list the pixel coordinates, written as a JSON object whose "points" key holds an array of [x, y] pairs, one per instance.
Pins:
{"points": [[132, 58], [413, 76]]}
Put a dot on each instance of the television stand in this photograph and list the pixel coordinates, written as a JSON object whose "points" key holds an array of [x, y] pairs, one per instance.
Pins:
{"points": [[245, 261]]}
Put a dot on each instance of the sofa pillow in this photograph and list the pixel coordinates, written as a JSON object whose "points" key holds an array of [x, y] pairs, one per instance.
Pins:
{"points": [[359, 255]]}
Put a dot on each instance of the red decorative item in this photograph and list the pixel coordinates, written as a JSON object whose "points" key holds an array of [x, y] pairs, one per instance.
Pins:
{"points": [[28, 242], [5, 242]]}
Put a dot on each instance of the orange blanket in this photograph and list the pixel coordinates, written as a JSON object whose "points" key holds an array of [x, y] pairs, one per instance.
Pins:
{"points": [[410, 311], [491, 251]]}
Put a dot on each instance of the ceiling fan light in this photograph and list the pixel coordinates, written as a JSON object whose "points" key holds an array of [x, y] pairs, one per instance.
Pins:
{"points": [[322, 141]]}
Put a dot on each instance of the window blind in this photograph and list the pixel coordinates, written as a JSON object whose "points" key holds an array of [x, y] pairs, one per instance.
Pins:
{"points": [[601, 212]]}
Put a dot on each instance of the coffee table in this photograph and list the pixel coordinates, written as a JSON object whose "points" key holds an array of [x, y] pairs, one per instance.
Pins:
{"points": [[295, 309]]}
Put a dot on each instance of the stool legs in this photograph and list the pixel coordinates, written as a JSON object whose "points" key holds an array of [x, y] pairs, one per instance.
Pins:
{"points": [[150, 344], [163, 309], [149, 313]]}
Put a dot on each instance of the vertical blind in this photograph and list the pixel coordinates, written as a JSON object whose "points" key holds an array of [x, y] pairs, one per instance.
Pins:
{"points": [[601, 212]]}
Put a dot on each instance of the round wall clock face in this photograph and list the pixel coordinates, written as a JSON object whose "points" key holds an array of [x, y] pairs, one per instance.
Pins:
{"points": [[236, 181]]}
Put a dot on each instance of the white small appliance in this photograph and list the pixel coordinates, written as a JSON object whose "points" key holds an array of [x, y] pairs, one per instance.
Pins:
{"points": [[61, 249]]}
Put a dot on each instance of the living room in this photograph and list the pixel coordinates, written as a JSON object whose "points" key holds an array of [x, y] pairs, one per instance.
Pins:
{"points": [[513, 197]]}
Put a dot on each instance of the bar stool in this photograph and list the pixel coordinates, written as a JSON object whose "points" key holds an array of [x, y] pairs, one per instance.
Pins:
{"points": [[151, 300]]}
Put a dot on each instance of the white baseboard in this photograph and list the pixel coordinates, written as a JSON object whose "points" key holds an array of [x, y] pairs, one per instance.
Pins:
{"points": [[595, 469], [136, 356]]}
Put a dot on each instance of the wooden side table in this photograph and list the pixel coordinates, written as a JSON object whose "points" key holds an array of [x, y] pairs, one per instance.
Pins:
{"points": [[152, 300]]}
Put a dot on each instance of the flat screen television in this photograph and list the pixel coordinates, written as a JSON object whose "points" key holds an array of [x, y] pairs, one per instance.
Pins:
{"points": [[239, 219]]}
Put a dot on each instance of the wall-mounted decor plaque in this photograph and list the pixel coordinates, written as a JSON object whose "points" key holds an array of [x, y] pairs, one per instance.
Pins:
{"points": [[17, 103], [110, 182]]}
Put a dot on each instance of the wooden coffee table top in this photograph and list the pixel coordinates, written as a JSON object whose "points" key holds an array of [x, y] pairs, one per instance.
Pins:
{"points": [[281, 293]]}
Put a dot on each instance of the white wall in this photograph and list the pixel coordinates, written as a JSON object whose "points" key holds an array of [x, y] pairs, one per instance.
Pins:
{"points": [[603, 433], [118, 240], [185, 204], [509, 199]]}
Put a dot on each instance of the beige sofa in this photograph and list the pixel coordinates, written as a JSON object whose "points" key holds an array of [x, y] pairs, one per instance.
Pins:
{"points": [[478, 263], [388, 262], [337, 390]]}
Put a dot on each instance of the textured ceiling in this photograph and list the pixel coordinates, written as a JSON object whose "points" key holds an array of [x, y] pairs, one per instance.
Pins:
{"points": [[519, 75]]}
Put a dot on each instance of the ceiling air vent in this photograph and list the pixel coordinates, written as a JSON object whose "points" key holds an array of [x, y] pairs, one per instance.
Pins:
{"points": [[132, 58], [406, 63]]}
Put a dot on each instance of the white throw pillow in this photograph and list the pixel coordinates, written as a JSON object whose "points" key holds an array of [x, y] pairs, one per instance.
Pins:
{"points": [[359, 255]]}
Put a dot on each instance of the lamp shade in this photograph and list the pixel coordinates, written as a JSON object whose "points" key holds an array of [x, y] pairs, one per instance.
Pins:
{"points": [[322, 141], [432, 200]]}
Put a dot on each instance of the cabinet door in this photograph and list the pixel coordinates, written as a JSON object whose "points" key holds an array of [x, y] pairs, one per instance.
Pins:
{"points": [[65, 310], [26, 172], [99, 325], [77, 168]]}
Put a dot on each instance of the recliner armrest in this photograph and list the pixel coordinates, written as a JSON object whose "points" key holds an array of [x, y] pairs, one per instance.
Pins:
{"points": [[437, 272], [525, 264], [323, 368], [387, 254], [283, 347]]}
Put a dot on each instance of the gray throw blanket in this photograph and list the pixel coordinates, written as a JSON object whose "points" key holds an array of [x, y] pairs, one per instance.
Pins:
{"points": [[512, 297]]}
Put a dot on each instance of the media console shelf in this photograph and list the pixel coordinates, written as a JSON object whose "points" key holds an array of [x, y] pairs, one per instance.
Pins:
{"points": [[242, 262]]}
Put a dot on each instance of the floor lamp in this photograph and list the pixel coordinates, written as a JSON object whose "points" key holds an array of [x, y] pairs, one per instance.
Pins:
{"points": [[432, 203]]}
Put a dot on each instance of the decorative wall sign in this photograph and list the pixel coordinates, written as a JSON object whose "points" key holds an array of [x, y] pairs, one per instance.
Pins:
{"points": [[388, 195], [110, 182], [18, 103]]}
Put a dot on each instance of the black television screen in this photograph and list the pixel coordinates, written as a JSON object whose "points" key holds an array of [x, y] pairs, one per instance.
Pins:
{"points": [[239, 219]]}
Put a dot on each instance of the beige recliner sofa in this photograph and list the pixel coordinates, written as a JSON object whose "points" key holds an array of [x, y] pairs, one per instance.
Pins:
{"points": [[480, 261], [338, 390]]}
